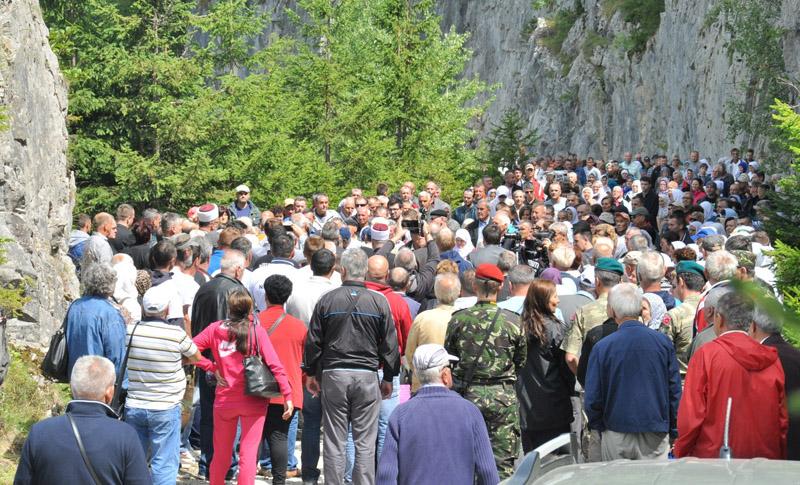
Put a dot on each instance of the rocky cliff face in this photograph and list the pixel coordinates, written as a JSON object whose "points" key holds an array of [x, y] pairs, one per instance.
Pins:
{"points": [[36, 191], [669, 99]]}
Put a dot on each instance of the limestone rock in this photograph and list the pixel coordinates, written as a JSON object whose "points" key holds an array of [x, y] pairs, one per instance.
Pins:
{"points": [[36, 189]]}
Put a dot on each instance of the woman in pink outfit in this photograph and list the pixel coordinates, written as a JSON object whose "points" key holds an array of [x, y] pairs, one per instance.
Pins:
{"points": [[229, 342]]}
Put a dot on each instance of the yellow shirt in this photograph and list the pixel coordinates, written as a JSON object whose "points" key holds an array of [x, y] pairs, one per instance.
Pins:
{"points": [[429, 327]]}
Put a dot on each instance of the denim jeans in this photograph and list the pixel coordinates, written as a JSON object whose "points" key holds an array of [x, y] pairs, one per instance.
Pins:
{"points": [[309, 440], [264, 459], [160, 434], [387, 406]]}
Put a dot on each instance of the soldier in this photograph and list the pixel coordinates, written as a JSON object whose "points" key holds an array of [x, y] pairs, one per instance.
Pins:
{"points": [[678, 323], [607, 273], [491, 347]]}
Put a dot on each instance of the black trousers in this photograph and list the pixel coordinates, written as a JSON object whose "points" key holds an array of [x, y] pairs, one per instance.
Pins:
{"points": [[534, 438], [276, 430]]}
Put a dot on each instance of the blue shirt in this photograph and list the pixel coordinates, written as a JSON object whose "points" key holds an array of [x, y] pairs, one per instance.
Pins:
{"points": [[215, 260], [454, 256], [436, 437], [632, 383], [95, 327]]}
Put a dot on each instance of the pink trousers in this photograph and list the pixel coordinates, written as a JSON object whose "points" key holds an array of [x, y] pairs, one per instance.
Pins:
{"points": [[225, 420]]}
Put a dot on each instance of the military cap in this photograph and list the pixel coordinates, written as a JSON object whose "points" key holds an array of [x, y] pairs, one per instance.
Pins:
{"points": [[609, 264], [690, 267], [438, 213], [487, 271]]}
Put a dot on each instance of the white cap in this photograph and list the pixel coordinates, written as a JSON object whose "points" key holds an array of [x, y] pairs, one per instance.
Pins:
{"points": [[242, 188], [430, 356], [503, 190], [155, 301]]}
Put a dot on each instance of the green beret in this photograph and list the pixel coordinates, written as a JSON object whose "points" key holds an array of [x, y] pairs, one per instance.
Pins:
{"points": [[690, 267], [609, 264]]}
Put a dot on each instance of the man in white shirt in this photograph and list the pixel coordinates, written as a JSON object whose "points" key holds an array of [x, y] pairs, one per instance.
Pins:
{"points": [[282, 263], [556, 200], [321, 213], [307, 291]]}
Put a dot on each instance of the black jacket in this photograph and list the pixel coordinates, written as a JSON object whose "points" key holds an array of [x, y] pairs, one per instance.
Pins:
{"points": [[140, 254], [124, 239], [211, 301], [593, 336], [790, 360], [365, 340], [421, 281], [545, 384], [51, 455]]}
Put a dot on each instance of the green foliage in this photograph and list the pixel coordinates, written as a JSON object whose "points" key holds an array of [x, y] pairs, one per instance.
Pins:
{"points": [[644, 15], [23, 402], [558, 29], [170, 107], [542, 4], [509, 142], [592, 41], [783, 218], [757, 38], [4, 124], [12, 295]]}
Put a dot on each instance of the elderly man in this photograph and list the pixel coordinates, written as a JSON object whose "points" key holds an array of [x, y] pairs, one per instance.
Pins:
{"points": [[767, 330], [50, 454], [436, 419], [733, 368], [520, 277], [649, 273], [430, 326], [721, 267], [350, 335], [157, 383], [94, 325], [633, 385], [321, 213], [105, 230]]}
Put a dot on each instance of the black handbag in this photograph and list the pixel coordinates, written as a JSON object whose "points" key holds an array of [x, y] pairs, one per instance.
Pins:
{"points": [[55, 365], [258, 378]]}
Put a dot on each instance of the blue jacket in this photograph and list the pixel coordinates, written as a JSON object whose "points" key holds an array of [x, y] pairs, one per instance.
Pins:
{"points": [[95, 327], [437, 438], [632, 383], [50, 454], [454, 256]]}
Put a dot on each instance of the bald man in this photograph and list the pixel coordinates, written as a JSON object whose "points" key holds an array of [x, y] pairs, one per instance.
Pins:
{"points": [[399, 280], [377, 280]]}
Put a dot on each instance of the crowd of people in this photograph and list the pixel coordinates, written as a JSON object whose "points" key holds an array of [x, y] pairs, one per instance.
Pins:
{"points": [[578, 295]]}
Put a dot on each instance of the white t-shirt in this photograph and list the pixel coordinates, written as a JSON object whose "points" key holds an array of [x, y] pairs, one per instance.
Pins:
{"points": [[187, 288]]}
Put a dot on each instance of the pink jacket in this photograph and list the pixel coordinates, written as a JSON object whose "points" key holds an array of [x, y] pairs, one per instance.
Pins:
{"points": [[229, 363]]}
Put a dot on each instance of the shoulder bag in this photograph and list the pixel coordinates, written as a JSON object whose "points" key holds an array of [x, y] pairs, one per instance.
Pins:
{"points": [[85, 457], [118, 402], [258, 378], [55, 365]]}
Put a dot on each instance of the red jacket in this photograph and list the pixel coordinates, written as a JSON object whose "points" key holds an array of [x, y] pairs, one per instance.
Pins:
{"points": [[400, 312], [733, 365], [288, 339]]}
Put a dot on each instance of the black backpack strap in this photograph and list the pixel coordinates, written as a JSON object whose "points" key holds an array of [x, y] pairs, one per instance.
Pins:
{"points": [[83, 450], [471, 371], [118, 384]]}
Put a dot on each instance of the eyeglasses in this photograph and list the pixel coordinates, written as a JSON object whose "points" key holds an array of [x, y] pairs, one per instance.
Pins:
{"points": [[361, 205], [240, 193]]}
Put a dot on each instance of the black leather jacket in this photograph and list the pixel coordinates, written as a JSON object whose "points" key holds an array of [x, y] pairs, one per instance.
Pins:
{"points": [[211, 302], [365, 340]]}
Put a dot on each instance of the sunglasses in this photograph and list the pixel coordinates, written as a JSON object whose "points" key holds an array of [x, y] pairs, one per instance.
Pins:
{"points": [[361, 205]]}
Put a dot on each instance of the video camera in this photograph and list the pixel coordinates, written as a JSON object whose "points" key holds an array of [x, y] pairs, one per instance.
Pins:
{"points": [[533, 252], [413, 226]]}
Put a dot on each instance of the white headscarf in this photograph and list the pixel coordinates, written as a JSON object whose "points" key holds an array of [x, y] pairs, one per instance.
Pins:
{"points": [[125, 292], [463, 234]]}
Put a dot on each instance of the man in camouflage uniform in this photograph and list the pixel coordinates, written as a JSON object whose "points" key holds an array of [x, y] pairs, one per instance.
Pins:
{"points": [[607, 273], [491, 348], [678, 323]]}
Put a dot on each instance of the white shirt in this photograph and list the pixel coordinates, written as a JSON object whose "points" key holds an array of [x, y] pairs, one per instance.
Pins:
{"points": [[255, 282], [305, 295], [187, 287], [305, 273]]}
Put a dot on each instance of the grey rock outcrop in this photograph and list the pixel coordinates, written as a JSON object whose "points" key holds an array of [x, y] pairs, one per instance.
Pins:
{"points": [[36, 190]]}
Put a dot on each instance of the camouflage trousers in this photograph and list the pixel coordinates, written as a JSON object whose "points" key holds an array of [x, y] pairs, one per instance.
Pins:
{"points": [[498, 405]]}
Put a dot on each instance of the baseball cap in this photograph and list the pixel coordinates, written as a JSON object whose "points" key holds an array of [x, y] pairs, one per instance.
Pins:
{"points": [[155, 301], [288, 202], [529, 167], [242, 188], [703, 233], [488, 271], [640, 211], [438, 213], [431, 356]]}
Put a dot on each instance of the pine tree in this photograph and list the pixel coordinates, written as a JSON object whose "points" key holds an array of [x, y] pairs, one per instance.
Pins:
{"points": [[509, 142]]}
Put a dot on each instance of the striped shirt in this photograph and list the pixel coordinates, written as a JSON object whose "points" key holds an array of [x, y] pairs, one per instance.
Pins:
{"points": [[155, 374]]}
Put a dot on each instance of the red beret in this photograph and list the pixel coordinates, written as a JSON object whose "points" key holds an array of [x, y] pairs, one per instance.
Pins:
{"points": [[488, 271]]}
